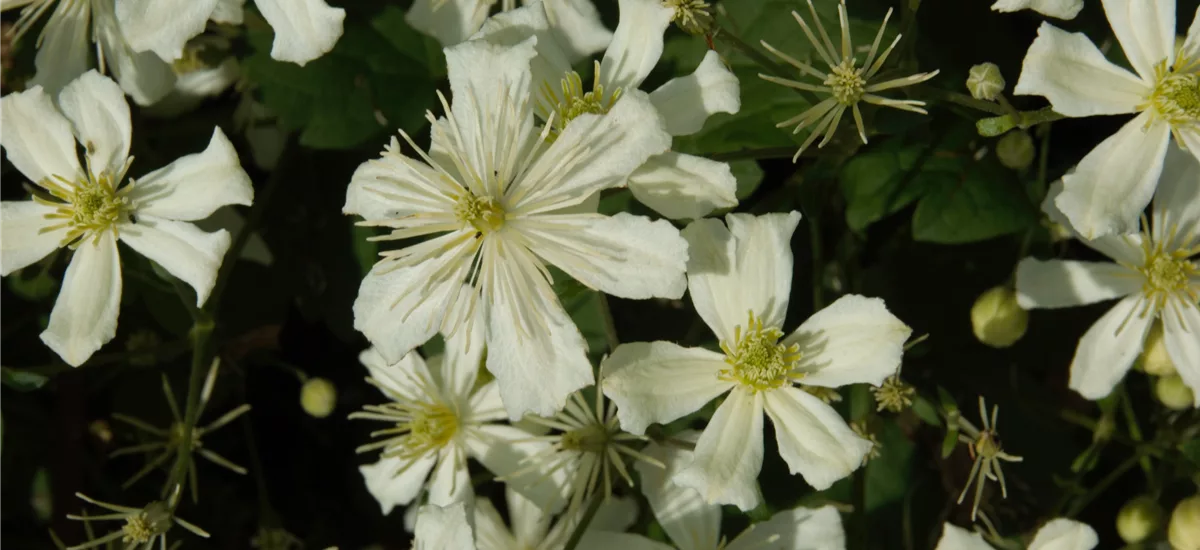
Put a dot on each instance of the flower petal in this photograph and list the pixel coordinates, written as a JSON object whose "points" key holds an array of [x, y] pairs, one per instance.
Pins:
{"points": [[1146, 31], [681, 186], [24, 243], [1112, 185], [796, 529], [143, 76], [636, 44], [1125, 248], [1176, 207], [691, 523], [576, 25], [607, 540], [304, 29], [687, 101], [85, 313], [746, 268], [503, 450], [181, 248], [194, 186], [96, 107], [729, 454], [529, 521], [36, 137], [62, 53], [1108, 349], [1064, 534], [1191, 44], [441, 528], [490, 84], [813, 439], [1062, 9], [403, 377], [854, 340], [450, 22], [1181, 334], [163, 27], [450, 482], [396, 186], [623, 255], [464, 353], [957, 538], [660, 381], [1070, 71], [1068, 283], [510, 28], [229, 12], [392, 486], [490, 530]]}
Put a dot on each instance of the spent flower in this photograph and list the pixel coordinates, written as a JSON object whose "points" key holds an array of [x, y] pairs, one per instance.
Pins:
{"points": [[984, 447], [143, 526]]}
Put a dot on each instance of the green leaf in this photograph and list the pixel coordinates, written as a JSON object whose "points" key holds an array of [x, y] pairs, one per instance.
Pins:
{"points": [[1191, 450], [32, 284], [976, 204], [748, 174], [21, 380], [875, 183]]}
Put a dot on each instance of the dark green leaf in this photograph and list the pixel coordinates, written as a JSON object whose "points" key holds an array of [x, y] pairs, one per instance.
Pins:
{"points": [[21, 380]]}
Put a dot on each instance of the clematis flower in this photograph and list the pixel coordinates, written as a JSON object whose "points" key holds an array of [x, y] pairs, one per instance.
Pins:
{"points": [[1058, 534], [675, 185], [501, 199], [1062, 9], [1155, 276], [87, 209], [1111, 186], [438, 419], [693, 524], [63, 48], [532, 527], [304, 29], [443, 528], [575, 23], [740, 279]]}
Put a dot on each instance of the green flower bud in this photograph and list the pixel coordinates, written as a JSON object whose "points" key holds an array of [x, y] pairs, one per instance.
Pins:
{"points": [[1184, 530], [318, 396], [1154, 353], [1016, 150], [985, 81], [1173, 393], [997, 319], [1138, 519]]}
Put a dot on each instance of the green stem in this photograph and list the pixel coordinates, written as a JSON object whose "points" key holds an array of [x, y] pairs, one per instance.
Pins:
{"points": [[201, 333], [1099, 488], [586, 520], [994, 126], [964, 100], [610, 326]]}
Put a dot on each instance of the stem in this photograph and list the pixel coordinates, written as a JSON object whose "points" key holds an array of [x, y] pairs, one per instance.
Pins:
{"points": [[201, 333], [965, 100], [994, 126], [1111, 478], [860, 508], [588, 515], [610, 326]]}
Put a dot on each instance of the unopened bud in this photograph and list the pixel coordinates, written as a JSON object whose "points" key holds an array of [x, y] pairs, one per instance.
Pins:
{"points": [[1138, 519], [997, 319], [692, 16], [318, 396], [1173, 393], [1154, 358], [985, 81], [1015, 150], [1184, 530]]}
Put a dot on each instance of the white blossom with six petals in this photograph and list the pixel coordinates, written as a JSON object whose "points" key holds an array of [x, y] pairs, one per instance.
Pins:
{"points": [[1058, 534]]}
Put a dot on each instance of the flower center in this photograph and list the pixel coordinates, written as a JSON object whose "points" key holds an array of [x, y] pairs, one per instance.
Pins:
{"points": [[574, 101], [691, 15], [987, 445], [87, 206], [1166, 273], [1176, 96], [588, 439], [430, 427], [756, 357], [485, 214], [142, 527], [176, 435], [847, 84]]}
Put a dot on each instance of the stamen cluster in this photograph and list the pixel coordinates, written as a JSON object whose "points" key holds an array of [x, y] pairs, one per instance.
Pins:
{"points": [[757, 358]]}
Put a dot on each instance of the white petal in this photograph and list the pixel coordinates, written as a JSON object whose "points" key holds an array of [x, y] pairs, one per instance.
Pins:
{"points": [[1068, 283], [729, 454], [62, 53], [451, 22], [36, 137], [443, 529], [1112, 185], [229, 12], [194, 186], [395, 186], [503, 450], [593, 153], [957, 538], [450, 482], [1065, 534], [576, 25], [1191, 44], [402, 377], [490, 531], [304, 29], [162, 26], [1108, 349], [510, 28], [1125, 248], [390, 486], [814, 440], [681, 186], [691, 523], [490, 85], [143, 76], [1062, 9], [854, 340], [615, 514], [796, 529], [1181, 334], [636, 44], [1146, 30], [181, 248], [746, 268], [623, 255], [85, 313], [464, 355], [529, 522], [23, 241], [96, 107], [660, 381], [1176, 207], [687, 101], [607, 540], [1070, 71]]}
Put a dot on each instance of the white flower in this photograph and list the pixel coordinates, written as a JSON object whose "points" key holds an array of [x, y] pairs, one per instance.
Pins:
{"points": [[694, 524], [532, 529], [437, 421], [63, 48], [1112, 184], [1155, 276], [88, 209], [507, 203], [443, 528], [1058, 534], [675, 185], [740, 279], [575, 23], [1062, 9], [304, 29], [195, 81]]}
